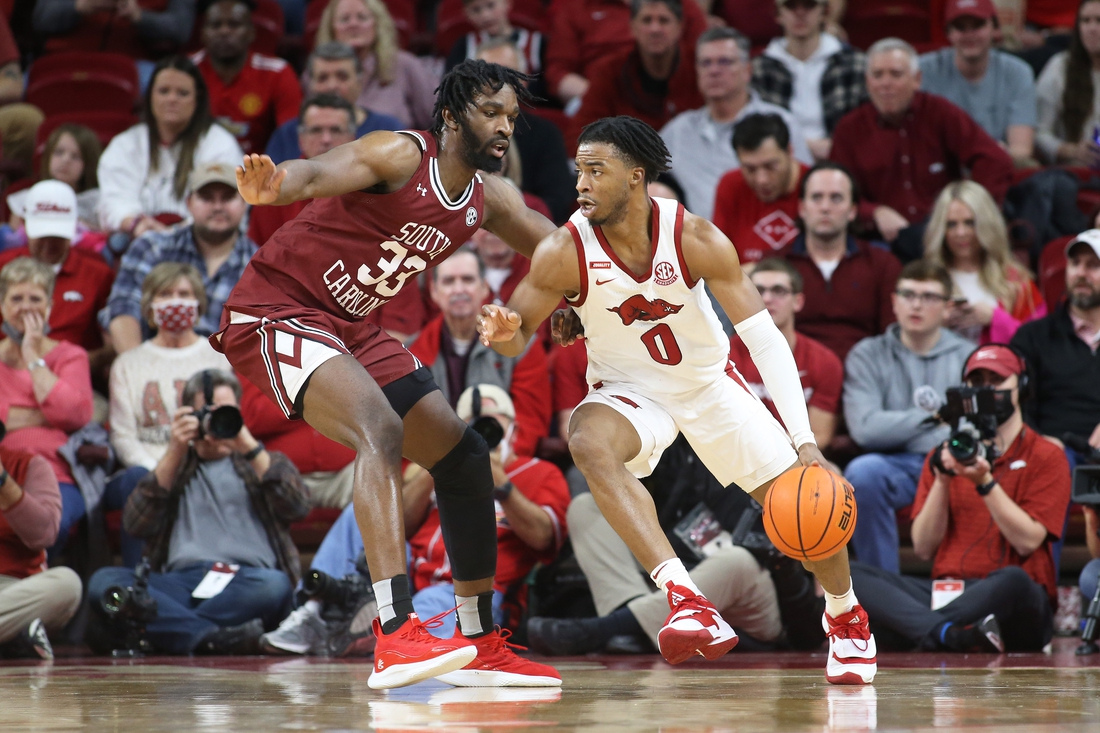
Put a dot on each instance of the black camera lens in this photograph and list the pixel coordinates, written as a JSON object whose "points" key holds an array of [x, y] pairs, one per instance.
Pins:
{"points": [[223, 422], [963, 447], [115, 599], [490, 429]]}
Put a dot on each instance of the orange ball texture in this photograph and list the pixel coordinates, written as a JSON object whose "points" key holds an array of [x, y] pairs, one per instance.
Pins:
{"points": [[810, 513]]}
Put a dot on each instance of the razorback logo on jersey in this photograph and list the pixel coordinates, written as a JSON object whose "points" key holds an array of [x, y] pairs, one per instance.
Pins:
{"points": [[637, 308]]}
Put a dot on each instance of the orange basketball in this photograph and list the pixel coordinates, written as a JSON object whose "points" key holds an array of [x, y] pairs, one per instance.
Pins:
{"points": [[810, 513]]}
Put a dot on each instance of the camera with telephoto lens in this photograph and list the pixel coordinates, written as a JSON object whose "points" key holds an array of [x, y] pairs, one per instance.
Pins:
{"points": [[220, 422], [488, 427], [129, 609], [345, 593], [974, 413]]}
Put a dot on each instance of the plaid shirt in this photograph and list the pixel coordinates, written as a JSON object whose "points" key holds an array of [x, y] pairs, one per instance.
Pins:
{"points": [[175, 245], [843, 87], [278, 499]]}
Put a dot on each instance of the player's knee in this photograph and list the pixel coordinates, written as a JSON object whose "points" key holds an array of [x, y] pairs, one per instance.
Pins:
{"points": [[589, 450], [377, 431], [465, 471]]}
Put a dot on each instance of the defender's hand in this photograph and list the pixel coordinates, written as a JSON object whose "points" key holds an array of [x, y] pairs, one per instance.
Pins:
{"points": [[566, 327], [810, 455], [258, 180], [497, 323]]}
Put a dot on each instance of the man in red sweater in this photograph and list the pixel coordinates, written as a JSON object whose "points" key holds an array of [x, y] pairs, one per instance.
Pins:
{"points": [[848, 283], [586, 31], [250, 94], [450, 348], [654, 80], [905, 145], [32, 597], [756, 206]]}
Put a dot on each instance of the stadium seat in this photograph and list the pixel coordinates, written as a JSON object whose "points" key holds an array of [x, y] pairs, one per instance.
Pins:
{"points": [[870, 20], [270, 24], [78, 81], [451, 23], [1052, 271], [105, 125]]}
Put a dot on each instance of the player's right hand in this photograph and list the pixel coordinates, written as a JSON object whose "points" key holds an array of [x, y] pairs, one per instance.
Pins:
{"points": [[258, 180], [497, 323]]}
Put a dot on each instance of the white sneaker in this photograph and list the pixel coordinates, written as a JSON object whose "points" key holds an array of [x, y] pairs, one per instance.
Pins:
{"points": [[297, 634], [853, 658]]}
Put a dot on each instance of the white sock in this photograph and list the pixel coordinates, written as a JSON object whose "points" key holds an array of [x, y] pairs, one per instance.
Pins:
{"points": [[673, 571], [475, 614], [837, 606], [314, 607]]}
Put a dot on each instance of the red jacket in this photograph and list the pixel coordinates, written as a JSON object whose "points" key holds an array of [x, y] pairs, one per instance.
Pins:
{"points": [[529, 387], [855, 303], [30, 525], [906, 166], [306, 448], [585, 31], [616, 89]]}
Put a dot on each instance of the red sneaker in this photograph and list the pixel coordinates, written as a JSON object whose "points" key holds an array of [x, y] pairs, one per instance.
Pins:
{"points": [[498, 666], [411, 654], [693, 627], [853, 657]]}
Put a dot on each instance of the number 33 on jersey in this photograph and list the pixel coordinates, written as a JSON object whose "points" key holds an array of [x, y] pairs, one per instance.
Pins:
{"points": [[657, 330]]}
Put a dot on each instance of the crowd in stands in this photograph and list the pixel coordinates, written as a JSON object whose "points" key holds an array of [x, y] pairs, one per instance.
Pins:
{"points": [[917, 214]]}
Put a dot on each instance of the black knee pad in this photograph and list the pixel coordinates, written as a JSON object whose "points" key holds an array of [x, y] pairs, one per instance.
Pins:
{"points": [[467, 514]]}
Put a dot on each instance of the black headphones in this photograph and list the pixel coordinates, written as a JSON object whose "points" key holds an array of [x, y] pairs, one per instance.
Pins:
{"points": [[475, 402], [1023, 377]]}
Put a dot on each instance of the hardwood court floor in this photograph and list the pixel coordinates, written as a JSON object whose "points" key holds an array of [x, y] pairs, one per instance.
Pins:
{"points": [[742, 692]]}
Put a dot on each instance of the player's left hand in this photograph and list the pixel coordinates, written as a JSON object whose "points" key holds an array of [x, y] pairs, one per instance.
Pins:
{"points": [[566, 327], [810, 455], [497, 323]]}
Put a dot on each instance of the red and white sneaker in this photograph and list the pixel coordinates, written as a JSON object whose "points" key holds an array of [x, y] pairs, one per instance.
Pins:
{"points": [[693, 627], [411, 654], [498, 666], [853, 658]]}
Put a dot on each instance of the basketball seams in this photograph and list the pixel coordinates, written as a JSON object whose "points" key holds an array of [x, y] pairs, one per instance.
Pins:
{"points": [[847, 535], [774, 526], [792, 498], [832, 510], [798, 514]]}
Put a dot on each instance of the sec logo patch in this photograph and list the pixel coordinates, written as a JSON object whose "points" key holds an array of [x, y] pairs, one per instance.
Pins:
{"points": [[664, 274], [471, 216]]}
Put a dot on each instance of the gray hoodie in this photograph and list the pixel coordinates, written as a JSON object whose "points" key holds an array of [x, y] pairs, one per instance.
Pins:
{"points": [[881, 376]]}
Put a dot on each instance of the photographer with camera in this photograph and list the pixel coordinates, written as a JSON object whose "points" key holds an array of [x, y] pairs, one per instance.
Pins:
{"points": [[991, 501], [531, 498], [33, 598], [215, 513]]}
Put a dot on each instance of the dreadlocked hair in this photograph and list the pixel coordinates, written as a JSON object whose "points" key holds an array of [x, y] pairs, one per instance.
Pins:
{"points": [[637, 143], [462, 84]]}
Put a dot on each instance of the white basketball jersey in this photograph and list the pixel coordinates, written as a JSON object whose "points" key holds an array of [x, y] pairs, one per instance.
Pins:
{"points": [[658, 331]]}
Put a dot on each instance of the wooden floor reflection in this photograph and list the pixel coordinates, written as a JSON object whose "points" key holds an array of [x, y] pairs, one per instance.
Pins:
{"points": [[743, 692]]}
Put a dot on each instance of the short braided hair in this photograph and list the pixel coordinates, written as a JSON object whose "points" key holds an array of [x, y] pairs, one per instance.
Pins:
{"points": [[636, 142], [462, 84]]}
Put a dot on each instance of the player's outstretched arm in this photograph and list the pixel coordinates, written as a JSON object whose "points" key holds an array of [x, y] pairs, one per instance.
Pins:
{"points": [[555, 272], [711, 257], [507, 216], [380, 157]]}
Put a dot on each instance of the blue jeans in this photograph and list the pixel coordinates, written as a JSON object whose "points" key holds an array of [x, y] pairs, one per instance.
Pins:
{"points": [[1088, 580], [183, 621], [73, 510], [884, 483], [117, 492]]}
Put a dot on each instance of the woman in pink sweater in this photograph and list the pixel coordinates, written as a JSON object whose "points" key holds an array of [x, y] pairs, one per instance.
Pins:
{"points": [[45, 385]]}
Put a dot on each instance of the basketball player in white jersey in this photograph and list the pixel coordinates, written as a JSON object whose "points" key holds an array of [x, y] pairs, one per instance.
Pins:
{"points": [[632, 269]]}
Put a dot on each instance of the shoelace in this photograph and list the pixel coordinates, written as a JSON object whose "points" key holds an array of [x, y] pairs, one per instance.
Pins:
{"points": [[500, 641], [431, 623], [849, 631]]}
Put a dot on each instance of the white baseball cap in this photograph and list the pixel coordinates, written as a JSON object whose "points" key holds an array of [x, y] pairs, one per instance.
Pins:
{"points": [[50, 211], [465, 405], [1090, 237]]}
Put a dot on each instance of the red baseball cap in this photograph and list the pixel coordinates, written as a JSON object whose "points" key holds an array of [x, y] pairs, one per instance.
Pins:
{"points": [[956, 9], [997, 358]]}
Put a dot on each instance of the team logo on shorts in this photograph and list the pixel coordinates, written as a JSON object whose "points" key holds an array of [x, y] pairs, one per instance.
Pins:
{"points": [[664, 274], [471, 216], [637, 308]]}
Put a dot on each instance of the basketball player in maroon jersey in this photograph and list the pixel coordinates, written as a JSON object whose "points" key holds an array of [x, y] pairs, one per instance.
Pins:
{"points": [[632, 269], [385, 208]]}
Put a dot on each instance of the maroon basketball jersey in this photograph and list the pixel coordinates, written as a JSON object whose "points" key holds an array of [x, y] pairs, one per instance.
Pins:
{"points": [[347, 255]]}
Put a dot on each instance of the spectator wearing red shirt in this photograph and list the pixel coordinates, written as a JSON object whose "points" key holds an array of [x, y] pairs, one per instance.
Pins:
{"points": [[250, 94], [848, 283], [905, 145], [450, 348], [756, 206], [654, 80], [587, 31], [32, 597], [991, 524], [83, 280], [325, 121], [820, 370]]}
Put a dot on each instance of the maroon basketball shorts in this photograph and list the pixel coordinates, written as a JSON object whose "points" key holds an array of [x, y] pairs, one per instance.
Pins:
{"points": [[278, 349]]}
